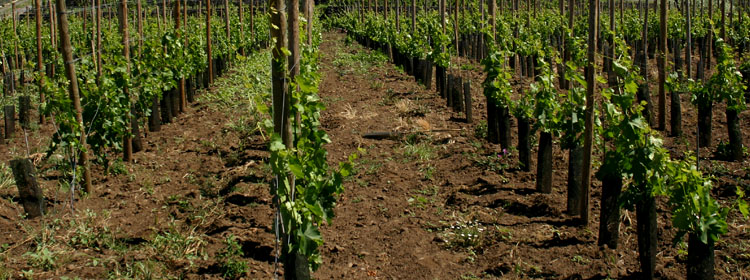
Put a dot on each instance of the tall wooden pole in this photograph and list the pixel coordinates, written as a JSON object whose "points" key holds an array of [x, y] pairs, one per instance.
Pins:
{"points": [[662, 64], [39, 64], [709, 43], [398, 15], [15, 34], [493, 18], [278, 71], [242, 28], [644, 94], [689, 44], [295, 264], [226, 20], [70, 72], [123, 19], [442, 14], [414, 17], [589, 113], [723, 29], [455, 24], [53, 33], [311, 15], [139, 18], [252, 20], [208, 42], [176, 13]]}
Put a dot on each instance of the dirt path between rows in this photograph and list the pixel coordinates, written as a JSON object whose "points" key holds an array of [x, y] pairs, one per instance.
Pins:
{"points": [[452, 206]]}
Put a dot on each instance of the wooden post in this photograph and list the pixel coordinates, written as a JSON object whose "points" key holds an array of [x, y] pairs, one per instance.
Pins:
{"points": [[226, 20], [708, 42], [442, 16], [662, 61], [467, 101], [29, 192], [53, 41], [589, 112], [242, 27], [295, 264], [293, 47], [493, 15], [311, 15], [184, 23], [455, 25], [15, 43], [252, 21], [123, 22], [643, 89], [39, 64], [398, 15], [689, 43], [181, 98], [70, 72], [723, 23], [280, 98], [10, 121], [413, 17], [208, 42], [139, 18], [24, 111]]}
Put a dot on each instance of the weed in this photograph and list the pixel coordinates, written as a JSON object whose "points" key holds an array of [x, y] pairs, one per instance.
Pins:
{"points": [[433, 191], [420, 151], [723, 151], [6, 176], [42, 257], [27, 274], [117, 167], [495, 163], [377, 85], [419, 201], [92, 232], [464, 234], [427, 171], [469, 276], [389, 98], [469, 67], [580, 259], [174, 245], [505, 234], [147, 187], [136, 270], [480, 131], [230, 258]]}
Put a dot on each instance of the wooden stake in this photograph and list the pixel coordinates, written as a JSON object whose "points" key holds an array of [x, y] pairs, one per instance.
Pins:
{"points": [[589, 112], [226, 20], [123, 20], [413, 17], [70, 72], [39, 64], [662, 64], [242, 28], [139, 18], [181, 83], [455, 25], [208, 42], [311, 15]]}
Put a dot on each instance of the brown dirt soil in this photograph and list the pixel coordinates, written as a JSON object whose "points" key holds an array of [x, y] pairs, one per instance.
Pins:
{"points": [[401, 216]]}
